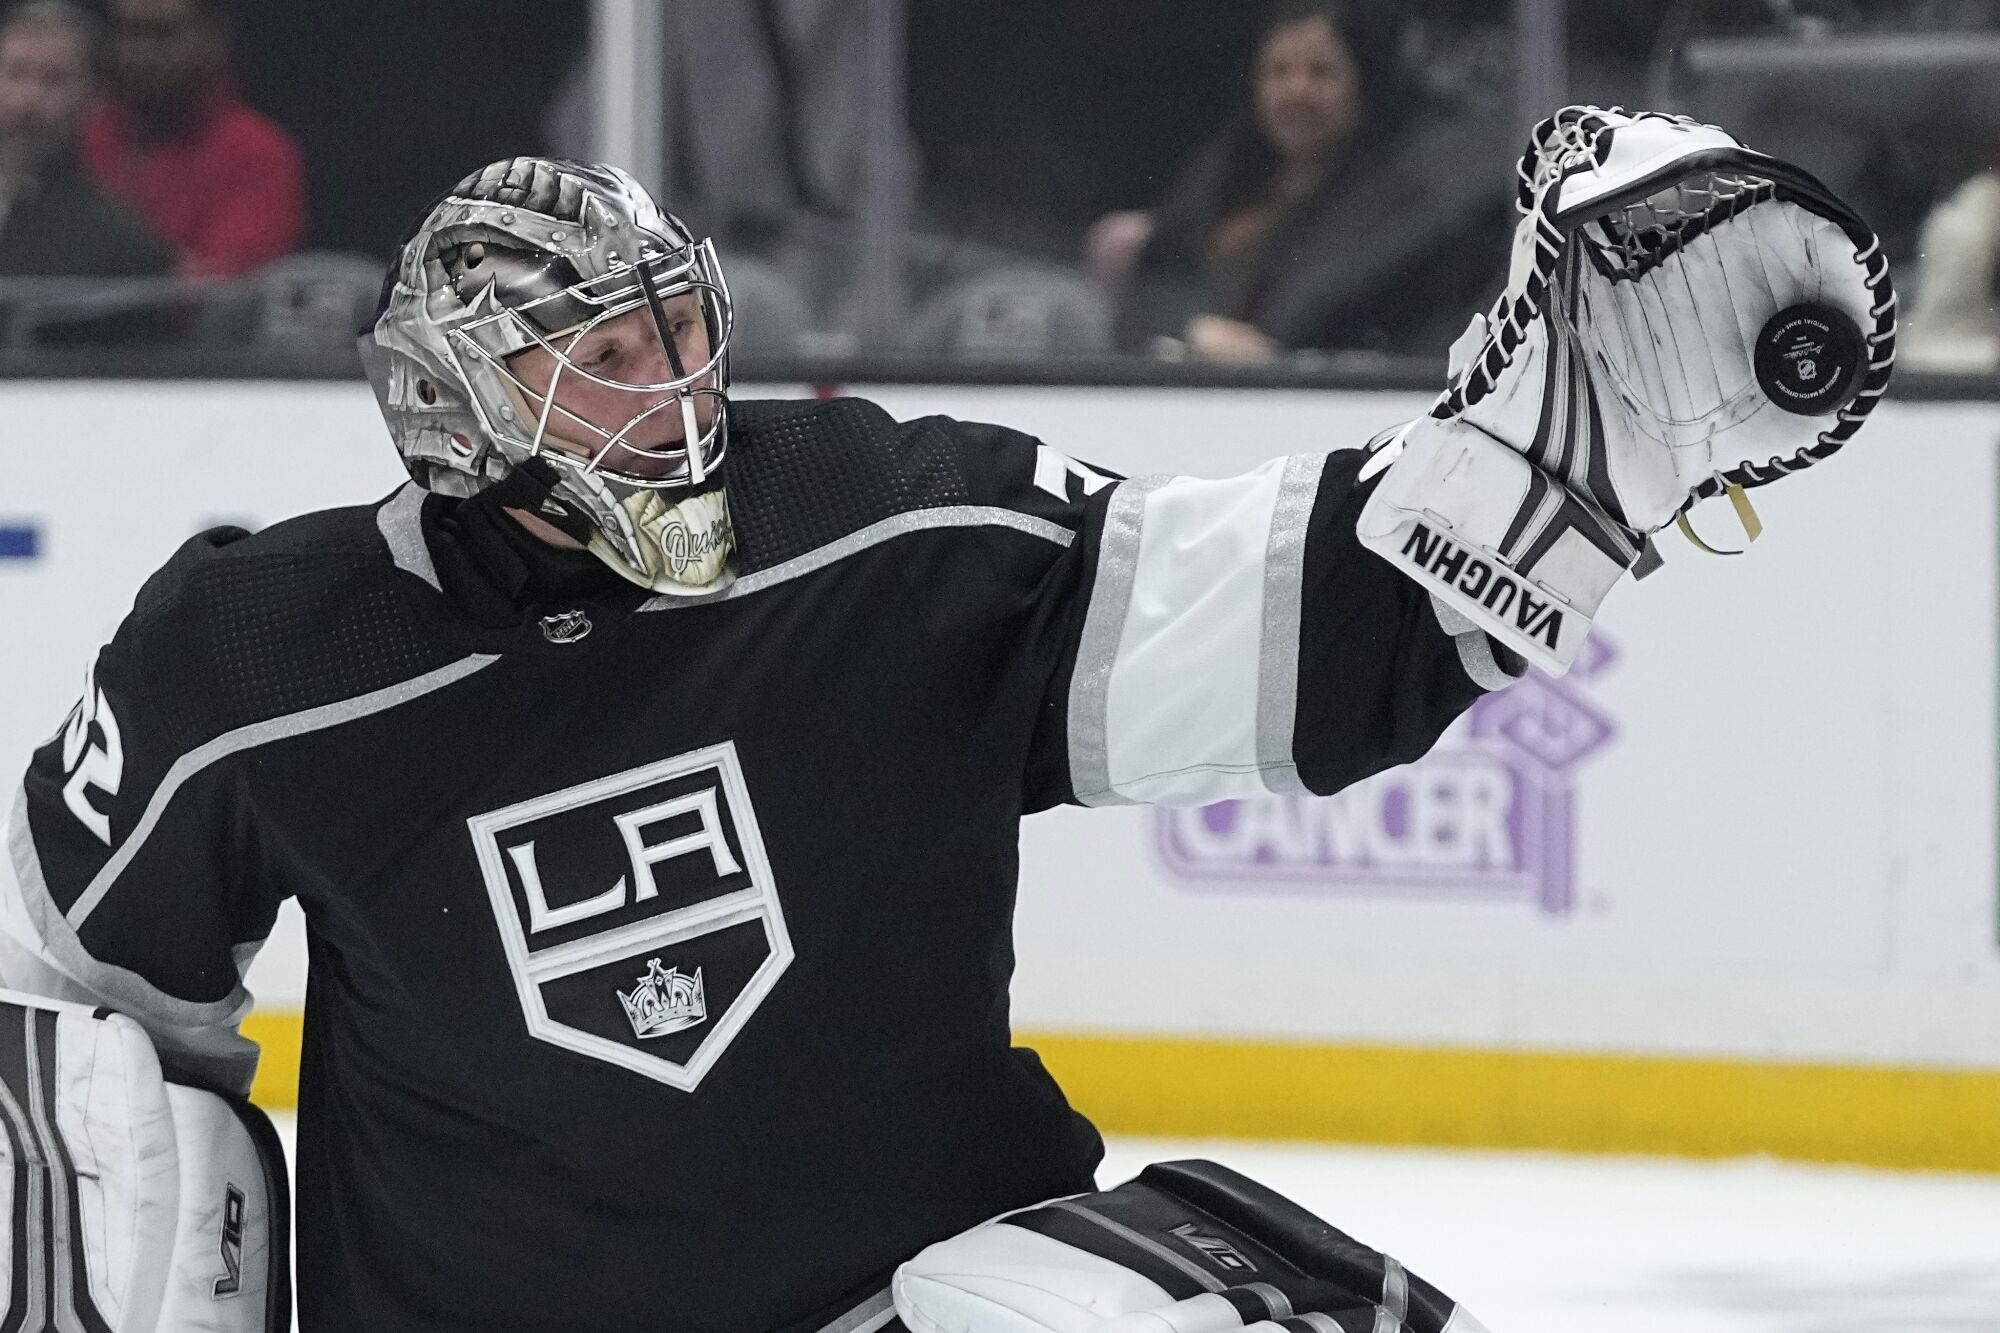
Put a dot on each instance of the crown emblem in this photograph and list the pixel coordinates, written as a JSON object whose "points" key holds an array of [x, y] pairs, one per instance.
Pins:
{"points": [[664, 1001]]}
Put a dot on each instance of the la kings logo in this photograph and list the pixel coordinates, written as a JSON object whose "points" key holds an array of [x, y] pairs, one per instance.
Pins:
{"points": [[639, 914]]}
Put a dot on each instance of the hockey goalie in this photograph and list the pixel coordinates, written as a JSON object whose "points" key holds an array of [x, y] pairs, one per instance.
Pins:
{"points": [[650, 767]]}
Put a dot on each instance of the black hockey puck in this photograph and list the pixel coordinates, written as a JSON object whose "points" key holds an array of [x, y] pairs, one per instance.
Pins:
{"points": [[1809, 359]]}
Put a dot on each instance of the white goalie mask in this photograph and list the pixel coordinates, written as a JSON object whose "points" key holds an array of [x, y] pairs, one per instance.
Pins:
{"points": [[548, 327]]}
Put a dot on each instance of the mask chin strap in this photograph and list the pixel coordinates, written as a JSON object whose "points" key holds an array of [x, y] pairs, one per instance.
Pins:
{"points": [[690, 437], [531, 488]]}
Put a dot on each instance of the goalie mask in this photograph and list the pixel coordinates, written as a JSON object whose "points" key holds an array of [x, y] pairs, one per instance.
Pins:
{"points": [[550, 333]]}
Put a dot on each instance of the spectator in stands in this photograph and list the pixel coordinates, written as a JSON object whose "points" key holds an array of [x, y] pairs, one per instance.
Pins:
{"points": [[54, 221], [1318, 218], [1953, 326], [222, 183]]}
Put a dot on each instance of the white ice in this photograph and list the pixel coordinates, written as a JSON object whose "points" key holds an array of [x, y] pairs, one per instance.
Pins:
{"points": [[1543, 1243]]}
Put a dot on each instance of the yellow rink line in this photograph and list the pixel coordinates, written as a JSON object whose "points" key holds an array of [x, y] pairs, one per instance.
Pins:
{"points": [[1929, 1118]]}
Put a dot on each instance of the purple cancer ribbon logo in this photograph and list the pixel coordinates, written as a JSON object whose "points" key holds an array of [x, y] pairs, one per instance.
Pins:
{"points": [[1488, 813]]}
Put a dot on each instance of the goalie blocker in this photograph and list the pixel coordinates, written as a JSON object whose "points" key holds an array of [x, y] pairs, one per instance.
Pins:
{"points": [[133, 1205], [1684, 318], [1188, 1247]]}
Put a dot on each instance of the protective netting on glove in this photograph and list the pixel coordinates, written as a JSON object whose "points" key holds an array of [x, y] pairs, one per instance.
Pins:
{"points": [[1618, 242], [1632, 240]]}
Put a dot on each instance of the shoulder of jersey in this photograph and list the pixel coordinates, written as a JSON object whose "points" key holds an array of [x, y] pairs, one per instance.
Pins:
{"points": [[804, 474], [222, 568], [251, 626]]}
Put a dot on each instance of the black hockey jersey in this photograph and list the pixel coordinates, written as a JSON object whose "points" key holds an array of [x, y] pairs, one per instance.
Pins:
{"points": [[660, 946]]}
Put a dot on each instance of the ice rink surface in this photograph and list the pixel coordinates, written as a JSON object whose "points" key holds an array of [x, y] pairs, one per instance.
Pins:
{"points": [[1540, 1243]]}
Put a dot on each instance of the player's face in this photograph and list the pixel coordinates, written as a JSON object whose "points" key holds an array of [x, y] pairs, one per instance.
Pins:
{"points": [[626, 348], [44, 89], [1308, 88]]}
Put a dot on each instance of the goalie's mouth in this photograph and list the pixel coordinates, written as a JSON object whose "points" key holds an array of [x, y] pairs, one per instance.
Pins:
{"points": [[647, 460], [653, 462]]}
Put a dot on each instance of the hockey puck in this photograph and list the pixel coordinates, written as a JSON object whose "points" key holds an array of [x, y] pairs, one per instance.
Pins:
{"points": [[1809, 359]]}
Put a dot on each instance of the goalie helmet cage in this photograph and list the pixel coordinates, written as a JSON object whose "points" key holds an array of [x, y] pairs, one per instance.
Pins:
{"points": [[1629, 232]]}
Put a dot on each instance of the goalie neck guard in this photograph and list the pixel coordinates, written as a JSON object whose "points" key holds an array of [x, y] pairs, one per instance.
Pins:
{"points": [[543, 263]]}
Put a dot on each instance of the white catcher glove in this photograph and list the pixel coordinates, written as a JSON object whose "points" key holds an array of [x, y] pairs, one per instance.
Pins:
{"points": [[1684, 317]]}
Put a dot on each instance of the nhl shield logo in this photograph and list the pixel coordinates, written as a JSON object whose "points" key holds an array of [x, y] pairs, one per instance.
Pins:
{"points": [[565, 627], [638, 913]]}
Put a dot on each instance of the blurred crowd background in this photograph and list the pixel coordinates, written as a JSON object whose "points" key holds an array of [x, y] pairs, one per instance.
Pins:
{"points": [[1017, 189]]}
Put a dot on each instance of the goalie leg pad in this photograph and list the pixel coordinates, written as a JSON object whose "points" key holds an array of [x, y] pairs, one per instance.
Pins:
{"points": [[127, 1203], [1522, 557], [1188, 1247]]}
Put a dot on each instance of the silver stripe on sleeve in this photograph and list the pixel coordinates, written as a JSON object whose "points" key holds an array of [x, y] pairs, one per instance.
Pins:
{"points": [[1475, 654], [1183, 694], [246, 738], [1284, 595], [888, 529], [1475, 650], [401, 523], [190, 1035], [58, 948], [1097, 650], [866, 1317], [1450, 619], [1384, 1323], [25, 961]]}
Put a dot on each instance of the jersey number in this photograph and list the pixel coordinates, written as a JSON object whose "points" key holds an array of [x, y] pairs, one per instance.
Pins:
{"points": [[95, 765]]}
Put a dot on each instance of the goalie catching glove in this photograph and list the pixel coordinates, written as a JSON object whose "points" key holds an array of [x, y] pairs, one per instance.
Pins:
{"points": [[1683, 317]]}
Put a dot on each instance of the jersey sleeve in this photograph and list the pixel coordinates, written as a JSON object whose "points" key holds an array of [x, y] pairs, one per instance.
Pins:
{"points": [[134, 859], [1202, 640]]}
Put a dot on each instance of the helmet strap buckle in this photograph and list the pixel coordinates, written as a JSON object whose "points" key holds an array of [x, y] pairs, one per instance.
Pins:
{"points": [[531, 488]]}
